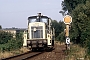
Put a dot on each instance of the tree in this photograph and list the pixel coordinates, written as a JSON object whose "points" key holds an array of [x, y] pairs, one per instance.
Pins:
{"points": [[69, 5], [80, 12], [0, 27], [81, 21], [59, 27]]}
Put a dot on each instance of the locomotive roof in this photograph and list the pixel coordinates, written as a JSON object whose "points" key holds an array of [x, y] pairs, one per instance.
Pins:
{"points": [[37, 16]]}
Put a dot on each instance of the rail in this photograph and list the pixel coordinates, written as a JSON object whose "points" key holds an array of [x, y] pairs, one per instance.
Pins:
{"points": [[24, 56]]}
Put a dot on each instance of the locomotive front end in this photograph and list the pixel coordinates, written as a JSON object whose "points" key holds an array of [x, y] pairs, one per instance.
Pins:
{"points": [[39, 33], [37, 36]]}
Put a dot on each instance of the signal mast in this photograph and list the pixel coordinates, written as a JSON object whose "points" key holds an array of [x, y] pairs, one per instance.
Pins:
{"points": [[67, 20]]}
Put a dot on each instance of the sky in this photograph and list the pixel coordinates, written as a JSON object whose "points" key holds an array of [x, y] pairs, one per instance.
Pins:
{"points": [[14, 13]]}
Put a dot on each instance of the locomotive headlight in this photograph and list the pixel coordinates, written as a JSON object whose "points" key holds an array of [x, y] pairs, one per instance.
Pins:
{"points": [[44, 41], [34, 29]]}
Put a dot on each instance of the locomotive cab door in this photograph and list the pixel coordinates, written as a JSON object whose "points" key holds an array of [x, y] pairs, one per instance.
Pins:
{"points": [[49, 42]]}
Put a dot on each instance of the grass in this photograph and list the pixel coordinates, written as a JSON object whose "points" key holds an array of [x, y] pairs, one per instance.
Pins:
{"points": [[5, 54], [12, 53], [77, 53]]}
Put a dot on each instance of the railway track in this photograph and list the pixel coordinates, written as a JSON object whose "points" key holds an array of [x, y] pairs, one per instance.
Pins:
{"points": [[24, 56]]}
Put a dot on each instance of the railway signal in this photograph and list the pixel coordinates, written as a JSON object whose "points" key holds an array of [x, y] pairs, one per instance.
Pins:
{"points": [[67, 20]]}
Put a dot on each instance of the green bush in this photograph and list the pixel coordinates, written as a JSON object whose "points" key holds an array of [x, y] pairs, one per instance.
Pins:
{"points": [[61, 37], [5, 37], [12, 44]]}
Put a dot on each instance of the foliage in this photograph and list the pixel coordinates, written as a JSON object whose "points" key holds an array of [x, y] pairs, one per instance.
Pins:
{"points": [[71, 4], [19, 38], [59, 27], [81, 22], [80, 12], [5, 37], [12, 43], [0, 27], [61, 37]]}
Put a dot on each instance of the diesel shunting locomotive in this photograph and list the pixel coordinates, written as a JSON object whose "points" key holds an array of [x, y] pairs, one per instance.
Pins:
{"points": [[40, 33]]}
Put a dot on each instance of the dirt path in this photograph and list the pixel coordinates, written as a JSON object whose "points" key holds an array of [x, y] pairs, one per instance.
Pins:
{"points": [[56, 54]]}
